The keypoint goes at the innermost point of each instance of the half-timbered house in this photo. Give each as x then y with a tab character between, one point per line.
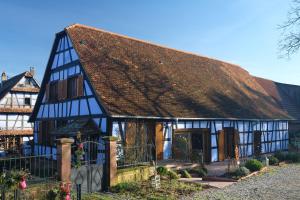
18	95
100	83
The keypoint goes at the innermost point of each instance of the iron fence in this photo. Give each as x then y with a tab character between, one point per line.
128	156
41	169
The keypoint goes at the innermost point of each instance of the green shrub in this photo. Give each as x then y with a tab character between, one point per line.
172	174
201	172
241	171
281	156
125	187
273	160
163	171
253	165
293	157
185	174
205	169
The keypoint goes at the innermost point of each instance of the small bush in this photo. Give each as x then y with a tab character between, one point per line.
125	187
163	171
185	174
241	171
172	174
293	157
205	169
201	172
253	165
273	160
280	156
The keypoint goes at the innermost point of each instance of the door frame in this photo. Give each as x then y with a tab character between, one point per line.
206	147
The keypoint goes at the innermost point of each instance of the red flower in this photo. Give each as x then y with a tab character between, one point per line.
80	146
22	184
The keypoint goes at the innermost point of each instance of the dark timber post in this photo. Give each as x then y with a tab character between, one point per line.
111	160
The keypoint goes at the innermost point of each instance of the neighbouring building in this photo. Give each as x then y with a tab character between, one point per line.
104	84
288	97
18	95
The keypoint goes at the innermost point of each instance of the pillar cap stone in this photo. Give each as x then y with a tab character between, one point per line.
109	138
65	140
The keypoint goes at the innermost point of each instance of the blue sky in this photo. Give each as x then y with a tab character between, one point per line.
243	32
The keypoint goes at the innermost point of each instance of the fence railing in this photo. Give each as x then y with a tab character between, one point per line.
39	167
128	156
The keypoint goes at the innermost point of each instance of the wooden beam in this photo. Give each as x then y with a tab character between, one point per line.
15	110
16	132
25	89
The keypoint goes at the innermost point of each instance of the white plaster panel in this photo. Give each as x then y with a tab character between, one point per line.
189	125
84	110
95	109
218	125
74	110
196	124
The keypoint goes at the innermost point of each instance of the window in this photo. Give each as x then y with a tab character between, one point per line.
61	123
27	82
53	91
44	134
27	101
72	87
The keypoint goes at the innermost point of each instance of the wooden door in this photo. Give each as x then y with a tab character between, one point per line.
221	145
228	142
236	140
206	145
159	141
257	143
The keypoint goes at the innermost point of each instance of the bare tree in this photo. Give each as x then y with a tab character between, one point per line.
290	39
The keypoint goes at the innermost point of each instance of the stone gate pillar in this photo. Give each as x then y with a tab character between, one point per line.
64	158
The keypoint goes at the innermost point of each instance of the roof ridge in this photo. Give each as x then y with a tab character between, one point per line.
267	79
151	43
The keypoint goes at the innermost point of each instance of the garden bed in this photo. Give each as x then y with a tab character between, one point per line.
169	189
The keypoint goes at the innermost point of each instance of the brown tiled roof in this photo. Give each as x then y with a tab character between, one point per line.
137	78
286	95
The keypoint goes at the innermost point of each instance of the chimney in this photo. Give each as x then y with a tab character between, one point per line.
3	77
32	71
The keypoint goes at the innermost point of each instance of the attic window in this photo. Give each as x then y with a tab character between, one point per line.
27	102
83	42
27	81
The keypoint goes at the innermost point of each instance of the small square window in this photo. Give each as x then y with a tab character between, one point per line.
27	102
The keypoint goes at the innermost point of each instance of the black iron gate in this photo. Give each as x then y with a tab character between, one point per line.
88	175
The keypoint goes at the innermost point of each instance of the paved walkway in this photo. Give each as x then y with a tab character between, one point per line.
215	184
279	183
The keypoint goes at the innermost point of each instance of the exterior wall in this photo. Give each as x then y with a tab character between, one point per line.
64	66
274	134
17	100
11	121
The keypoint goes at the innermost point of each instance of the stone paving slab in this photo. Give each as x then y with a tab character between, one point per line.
215	184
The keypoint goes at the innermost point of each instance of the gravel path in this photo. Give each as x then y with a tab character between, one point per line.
279	183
